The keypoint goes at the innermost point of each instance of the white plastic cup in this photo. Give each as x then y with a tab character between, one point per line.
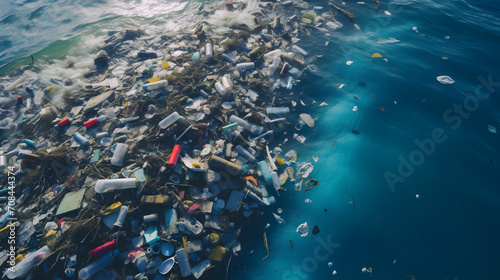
121	216
168	121
119	154
106	185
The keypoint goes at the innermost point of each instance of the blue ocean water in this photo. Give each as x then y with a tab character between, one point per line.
450	230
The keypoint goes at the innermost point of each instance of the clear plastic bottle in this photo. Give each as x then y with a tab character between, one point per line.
24	266
90	270
157	85
119	154
278	110
209	52
103	186
80	139
168	121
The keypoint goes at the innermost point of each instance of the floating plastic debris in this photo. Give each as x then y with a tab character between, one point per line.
387	13
308	200
355	108
315	158
376	55
415	29
303	229
279	219
341	86
417	195
492	129
446	80
349	62
330	264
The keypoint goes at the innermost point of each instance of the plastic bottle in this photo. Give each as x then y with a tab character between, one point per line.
274	65
183	262
276	181
62	123
203	93
245	154
80	139
264	37
94	121
220	88
119	154
106	185
255	129
4	218
272	54
168	121
121	216
92	269
246	65
218	163
278	110
108	246
289	84
298	49
226	84
24	266
156	85
172	161
209	50
3	163
264	168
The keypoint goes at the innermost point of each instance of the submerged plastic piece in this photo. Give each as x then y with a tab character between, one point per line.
307	119
200	268
446	80
103	186
92	269
183	262
23	267
376	55
279	219
492	129
303	229
217	253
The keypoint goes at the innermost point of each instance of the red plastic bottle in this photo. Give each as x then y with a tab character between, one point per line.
172	161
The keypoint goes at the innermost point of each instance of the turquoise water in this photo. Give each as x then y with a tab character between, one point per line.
450	231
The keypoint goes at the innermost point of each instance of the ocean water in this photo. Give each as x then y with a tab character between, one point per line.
417	137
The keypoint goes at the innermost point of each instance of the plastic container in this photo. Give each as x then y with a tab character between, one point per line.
220	88
246	65
24	266
226	83
172	161
106	185
245	154
183	262
121	216
209	52
119	154
276	181
298	49
168	121
92	269
80	139
203	93
278	110
266	173
108	246
156	85
255	129
272	54
274	65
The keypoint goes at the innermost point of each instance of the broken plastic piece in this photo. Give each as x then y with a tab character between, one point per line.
303	229
103	186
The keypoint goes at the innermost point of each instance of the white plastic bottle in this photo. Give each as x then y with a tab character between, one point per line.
278	110
298	49
246	65
121	216
90	270
226	83
255	129
106	185
119	154
220	88
156	85
209	52
168	121
24	266
274	66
